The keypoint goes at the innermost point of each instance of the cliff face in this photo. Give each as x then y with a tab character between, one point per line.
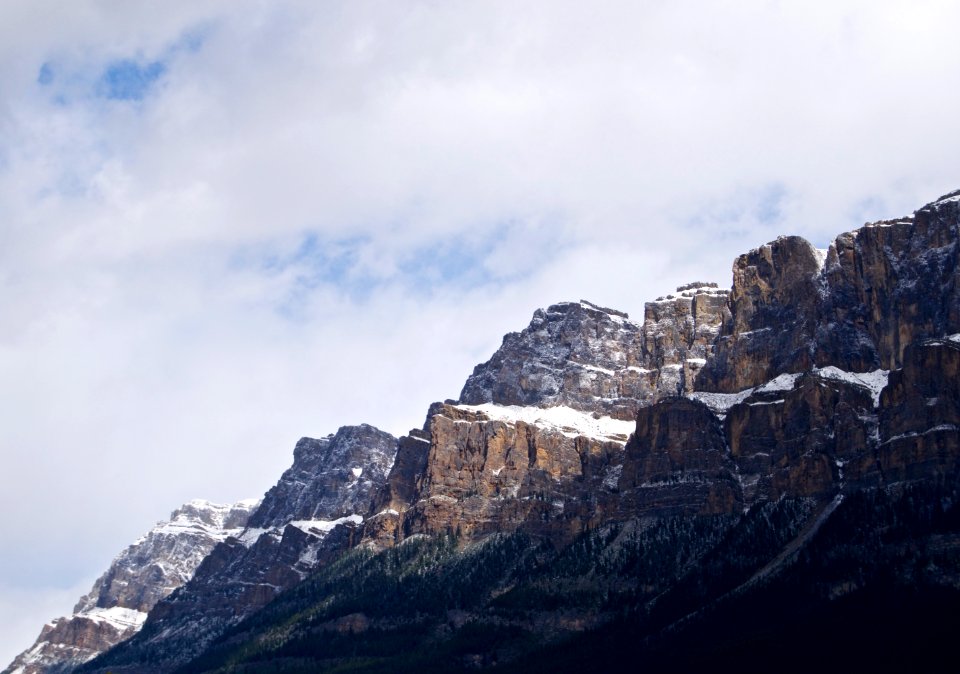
330	478
592	359
920	416
856	307
313	512
770	393
773	307
490	469
595	467
890	284
142	575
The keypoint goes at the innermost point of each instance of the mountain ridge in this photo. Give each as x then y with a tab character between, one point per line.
762	418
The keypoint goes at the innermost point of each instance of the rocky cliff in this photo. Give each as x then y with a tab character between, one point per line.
794	439
313	512
143	574
856	306
582	356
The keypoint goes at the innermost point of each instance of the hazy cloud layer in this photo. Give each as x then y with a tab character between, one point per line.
225	225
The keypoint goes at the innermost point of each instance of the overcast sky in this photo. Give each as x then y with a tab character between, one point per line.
228	224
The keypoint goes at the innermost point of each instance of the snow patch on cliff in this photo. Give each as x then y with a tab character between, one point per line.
324	526
117	616
720	403
566	420
875	380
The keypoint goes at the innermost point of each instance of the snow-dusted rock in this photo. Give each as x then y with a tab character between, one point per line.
311	513
331	477
585	357
143	574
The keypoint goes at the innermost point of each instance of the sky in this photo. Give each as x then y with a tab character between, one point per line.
228	224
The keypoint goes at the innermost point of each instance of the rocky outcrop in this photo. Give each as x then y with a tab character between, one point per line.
487	469
677	463
330	478
919	417
574	353
679	331
141	576
773	308
796	441
583	356
856	306
890	284
310	515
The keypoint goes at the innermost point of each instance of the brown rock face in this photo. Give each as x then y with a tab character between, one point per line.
84	637
919	417
677	463
484	476
891	283
679	331
773	309
796	442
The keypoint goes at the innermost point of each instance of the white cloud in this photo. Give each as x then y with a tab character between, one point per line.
166	333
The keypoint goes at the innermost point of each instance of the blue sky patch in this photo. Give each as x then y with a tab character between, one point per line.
450	263
128	80
46	74
316	262
320	262
727	215
193	39
869	209
769	204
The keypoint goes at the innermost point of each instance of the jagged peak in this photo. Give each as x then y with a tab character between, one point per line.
202	516
330	477
358	429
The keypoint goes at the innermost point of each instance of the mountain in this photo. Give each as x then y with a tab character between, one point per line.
314	511
140	576
760	478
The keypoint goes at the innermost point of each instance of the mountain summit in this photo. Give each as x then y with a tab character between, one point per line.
140	576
